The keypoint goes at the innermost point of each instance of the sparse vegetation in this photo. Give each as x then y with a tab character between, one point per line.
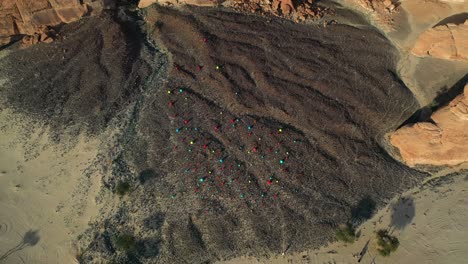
282	187
387	243
433	105
346	233
125	242
123	188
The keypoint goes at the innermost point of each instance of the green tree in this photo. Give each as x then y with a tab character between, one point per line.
387	243
125	242
346	233
123	187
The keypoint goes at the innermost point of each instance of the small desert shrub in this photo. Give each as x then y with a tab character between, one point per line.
122	188
433	105
125	242
387	243
346	233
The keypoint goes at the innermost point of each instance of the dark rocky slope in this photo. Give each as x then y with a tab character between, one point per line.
255	137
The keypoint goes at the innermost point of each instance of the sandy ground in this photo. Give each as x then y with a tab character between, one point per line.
44	201
425	77
430	222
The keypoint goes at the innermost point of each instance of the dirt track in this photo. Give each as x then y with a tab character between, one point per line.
262	138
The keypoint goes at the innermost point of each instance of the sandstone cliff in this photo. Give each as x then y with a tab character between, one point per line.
443	142
448	42
33	19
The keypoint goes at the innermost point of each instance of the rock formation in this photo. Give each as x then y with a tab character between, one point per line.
382	11
382	6
285	8
33	19
441	142
146	3
448	42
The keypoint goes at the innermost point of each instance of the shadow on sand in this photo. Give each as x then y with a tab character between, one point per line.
363	211
30	239
402	213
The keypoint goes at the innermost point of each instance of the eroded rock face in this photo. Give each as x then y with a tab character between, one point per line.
382	11
444	142
382	6
283	8
20	18
146	3
286	6
448	42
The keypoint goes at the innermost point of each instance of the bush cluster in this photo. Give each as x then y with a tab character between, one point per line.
346	234
387	243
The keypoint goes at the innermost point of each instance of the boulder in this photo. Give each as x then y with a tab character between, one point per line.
286	6
32	18
441	142
449	42
146	3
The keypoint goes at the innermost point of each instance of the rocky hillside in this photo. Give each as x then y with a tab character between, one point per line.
228	140
232	134
246	141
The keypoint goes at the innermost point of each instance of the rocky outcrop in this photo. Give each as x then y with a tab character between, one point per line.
448	42
146	3
441	142
381	6
284	8
382	12
32	20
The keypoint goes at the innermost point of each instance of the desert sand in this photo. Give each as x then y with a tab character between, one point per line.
427	76
46	200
